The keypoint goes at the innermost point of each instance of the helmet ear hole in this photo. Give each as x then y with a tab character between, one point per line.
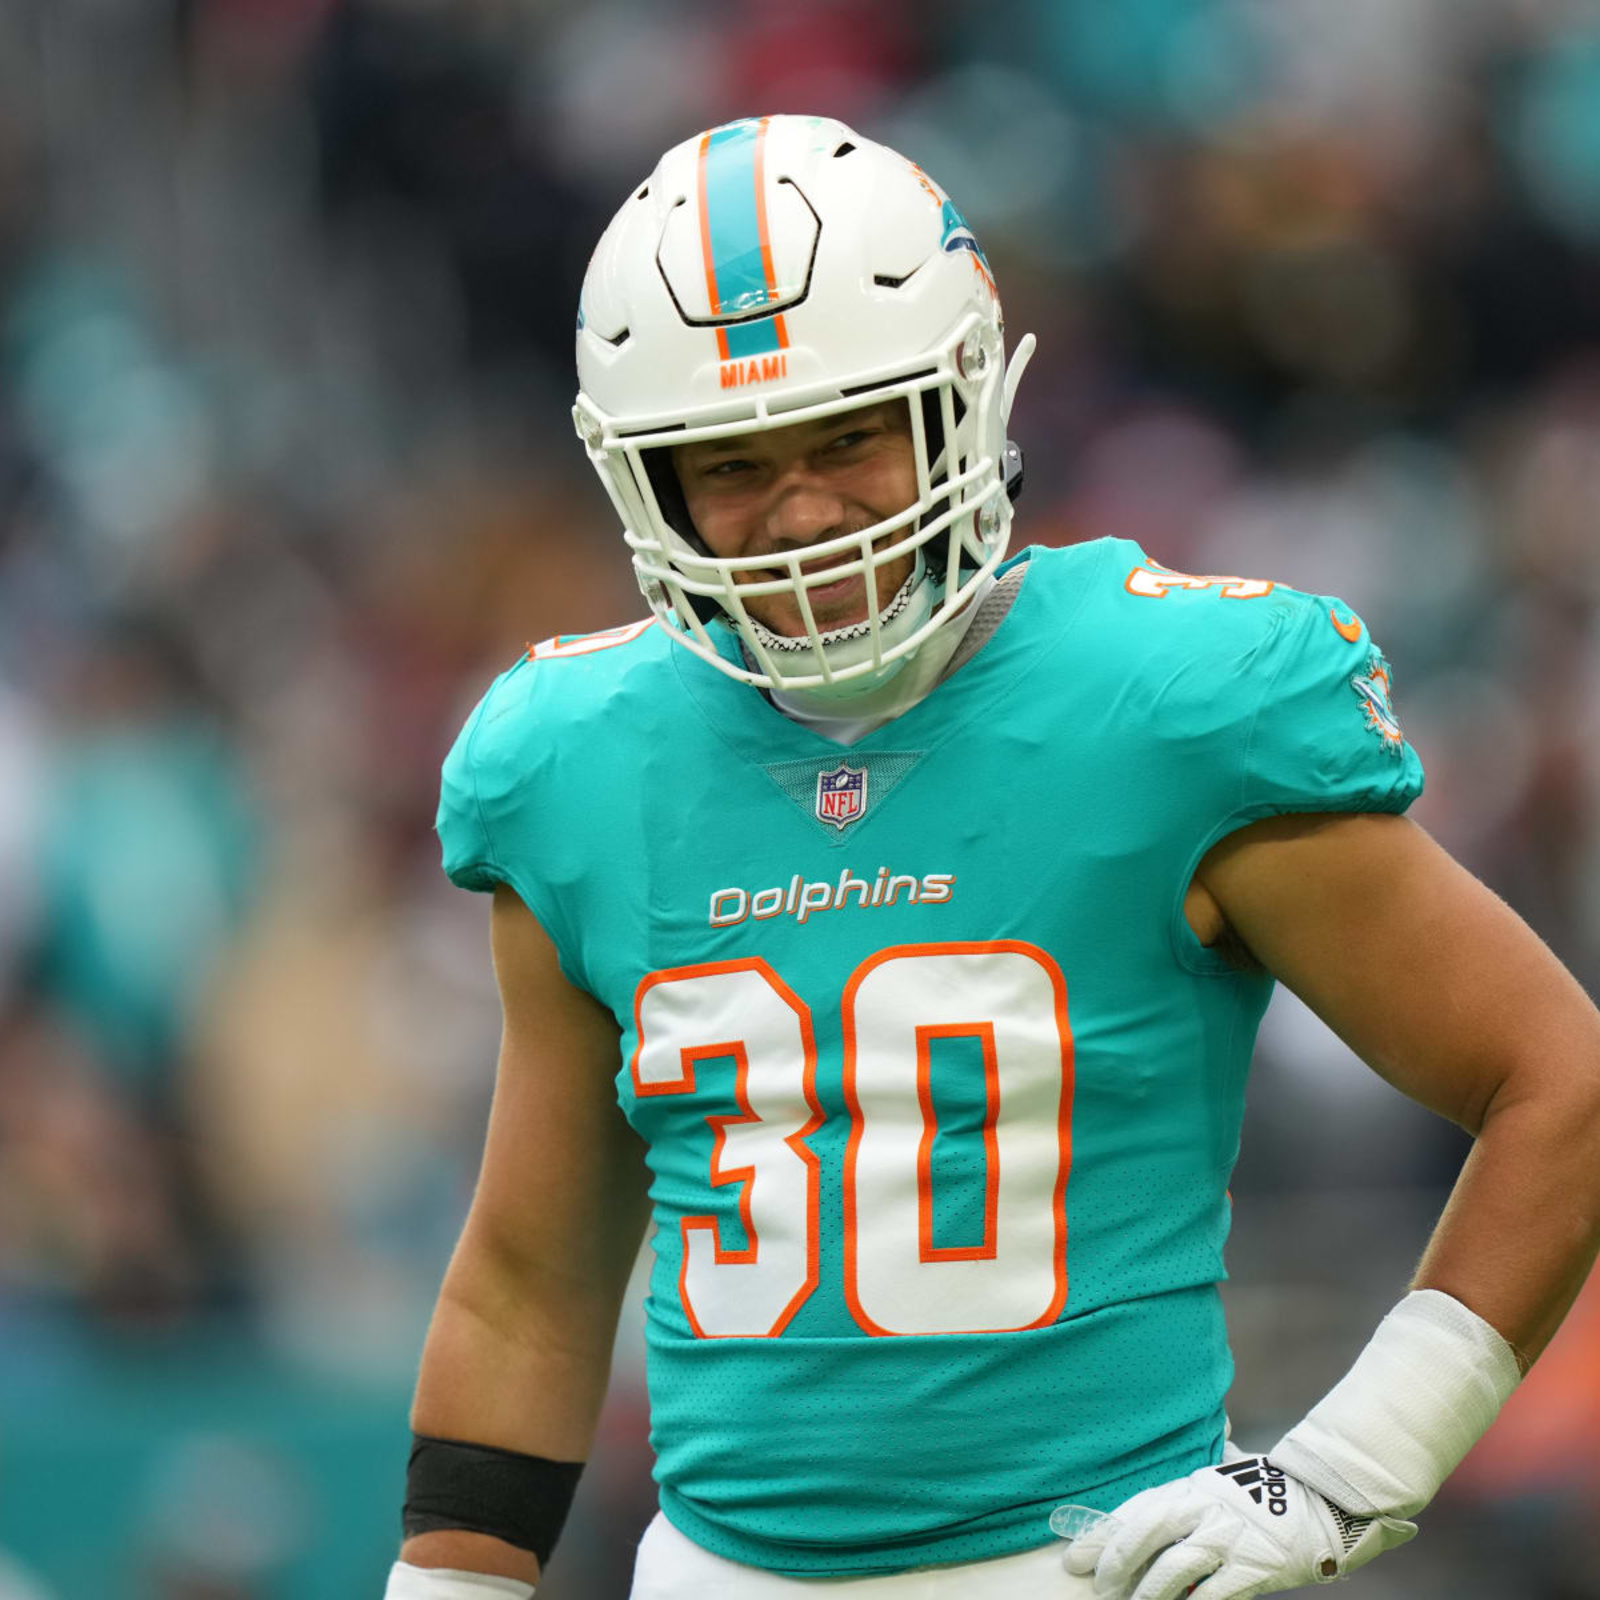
938	465
933	432
668	491
669	495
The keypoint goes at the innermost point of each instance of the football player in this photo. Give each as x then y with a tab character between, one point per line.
890	922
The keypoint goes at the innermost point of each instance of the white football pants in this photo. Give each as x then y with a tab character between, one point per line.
671	1567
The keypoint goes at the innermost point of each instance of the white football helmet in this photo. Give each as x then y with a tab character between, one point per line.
770	272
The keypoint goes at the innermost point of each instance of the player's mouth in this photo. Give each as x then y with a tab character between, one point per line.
840	603
840	588
829	593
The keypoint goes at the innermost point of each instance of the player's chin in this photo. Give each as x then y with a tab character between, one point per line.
849	606
833	605
791	625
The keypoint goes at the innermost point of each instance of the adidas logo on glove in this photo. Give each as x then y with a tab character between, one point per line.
1261	1480
1241	1528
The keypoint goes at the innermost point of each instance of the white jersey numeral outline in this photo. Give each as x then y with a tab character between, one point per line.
1008	995
745	1010
1013	998
1156	582
586	644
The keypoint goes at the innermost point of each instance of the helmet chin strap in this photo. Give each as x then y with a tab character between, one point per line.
911	606
888	694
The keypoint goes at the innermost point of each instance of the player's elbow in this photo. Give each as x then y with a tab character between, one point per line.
1578	1107
523	1282
1544	1063
1554	1100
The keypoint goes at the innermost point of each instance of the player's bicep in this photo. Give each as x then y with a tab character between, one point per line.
1427	974
562	1192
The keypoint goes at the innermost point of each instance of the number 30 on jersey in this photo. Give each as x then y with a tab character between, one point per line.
1008	996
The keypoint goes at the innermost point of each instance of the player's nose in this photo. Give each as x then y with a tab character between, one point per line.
803	511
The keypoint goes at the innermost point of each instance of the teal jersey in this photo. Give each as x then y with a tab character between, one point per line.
940	1091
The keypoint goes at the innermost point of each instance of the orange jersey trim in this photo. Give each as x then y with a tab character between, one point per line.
927	1249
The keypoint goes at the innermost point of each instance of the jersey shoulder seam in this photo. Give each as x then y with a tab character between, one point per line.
1284	628
493	860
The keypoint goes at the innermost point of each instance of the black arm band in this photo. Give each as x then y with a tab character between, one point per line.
483	1489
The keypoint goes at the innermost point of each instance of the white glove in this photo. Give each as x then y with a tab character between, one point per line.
1236	1530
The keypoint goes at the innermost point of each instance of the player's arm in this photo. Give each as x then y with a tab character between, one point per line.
519	1349
1439	986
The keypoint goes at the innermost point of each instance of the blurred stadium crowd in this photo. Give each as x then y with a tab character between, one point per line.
286	474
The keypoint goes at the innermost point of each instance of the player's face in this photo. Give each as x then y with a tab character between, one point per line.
782	490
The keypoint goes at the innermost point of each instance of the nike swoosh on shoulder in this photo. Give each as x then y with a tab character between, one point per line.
1350	630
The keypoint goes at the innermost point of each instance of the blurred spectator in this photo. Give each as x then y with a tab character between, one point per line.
90	1212
146	853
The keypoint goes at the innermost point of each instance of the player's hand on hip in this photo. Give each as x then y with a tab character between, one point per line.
1228	1532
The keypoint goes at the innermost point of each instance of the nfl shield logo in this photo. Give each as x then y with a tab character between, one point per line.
841	795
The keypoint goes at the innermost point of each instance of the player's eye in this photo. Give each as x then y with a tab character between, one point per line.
854	436
728	467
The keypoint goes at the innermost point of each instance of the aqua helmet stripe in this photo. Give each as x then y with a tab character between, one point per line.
734	238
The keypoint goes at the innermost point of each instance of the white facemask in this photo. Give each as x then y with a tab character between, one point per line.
911	606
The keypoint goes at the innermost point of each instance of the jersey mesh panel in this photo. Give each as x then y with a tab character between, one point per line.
994	610
798	780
